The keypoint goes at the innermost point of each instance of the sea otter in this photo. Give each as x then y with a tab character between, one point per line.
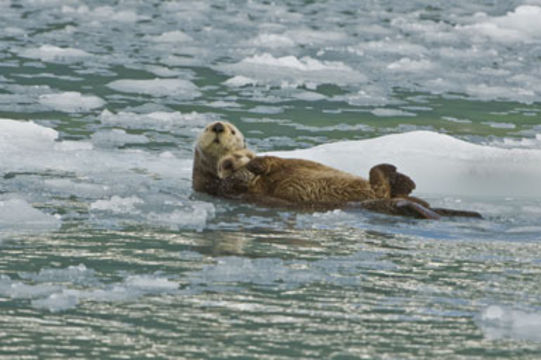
224	167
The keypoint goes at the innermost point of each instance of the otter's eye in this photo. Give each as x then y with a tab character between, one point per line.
233	132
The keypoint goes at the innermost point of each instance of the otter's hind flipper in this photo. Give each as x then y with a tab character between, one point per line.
401	207
389	183
460	213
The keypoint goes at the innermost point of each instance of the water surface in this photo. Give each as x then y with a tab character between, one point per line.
105	251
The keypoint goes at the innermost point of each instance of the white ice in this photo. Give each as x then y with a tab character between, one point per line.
178	88
51	53
500	322
290	71
103	14
19	217
91	174
176	36
157	120
71	101
519	25
438	163
52	288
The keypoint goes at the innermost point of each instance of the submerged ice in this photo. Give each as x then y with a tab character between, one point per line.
53	289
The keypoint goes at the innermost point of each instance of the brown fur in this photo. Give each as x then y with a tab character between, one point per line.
233	161
306	183
222	167
210	148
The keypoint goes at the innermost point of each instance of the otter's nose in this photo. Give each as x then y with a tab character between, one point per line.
218	128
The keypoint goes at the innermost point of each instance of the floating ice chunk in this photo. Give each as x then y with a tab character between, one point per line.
455	120
19	217
265	109
74	274
306	36
19	290
194	217
309	96
503	323
178	88
369	95
244	270
172	37
50	53
303	64
57	302
520	25
158	120
487	92
438	163
289	70
164	71
13	31
24	135
112	14
49	294
104	13
327	220
500	125
71	101
118	204
150	284
224	104
409	65
391	112
116	137
232	271
240	81
72	146
272	41
132	288
389	46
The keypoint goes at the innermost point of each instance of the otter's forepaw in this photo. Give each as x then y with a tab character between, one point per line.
258	166
231	162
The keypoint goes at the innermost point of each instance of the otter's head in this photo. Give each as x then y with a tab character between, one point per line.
219	138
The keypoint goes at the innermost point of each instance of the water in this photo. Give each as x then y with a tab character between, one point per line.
105	251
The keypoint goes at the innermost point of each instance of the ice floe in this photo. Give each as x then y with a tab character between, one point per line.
437	162
501	322
520	25
103	13
178	88
71	101
19	217
176	36
92	174
51	53
290	71
157	120
52	289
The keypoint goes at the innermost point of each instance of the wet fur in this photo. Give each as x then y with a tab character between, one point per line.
221	168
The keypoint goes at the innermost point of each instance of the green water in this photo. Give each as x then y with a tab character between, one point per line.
106	252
